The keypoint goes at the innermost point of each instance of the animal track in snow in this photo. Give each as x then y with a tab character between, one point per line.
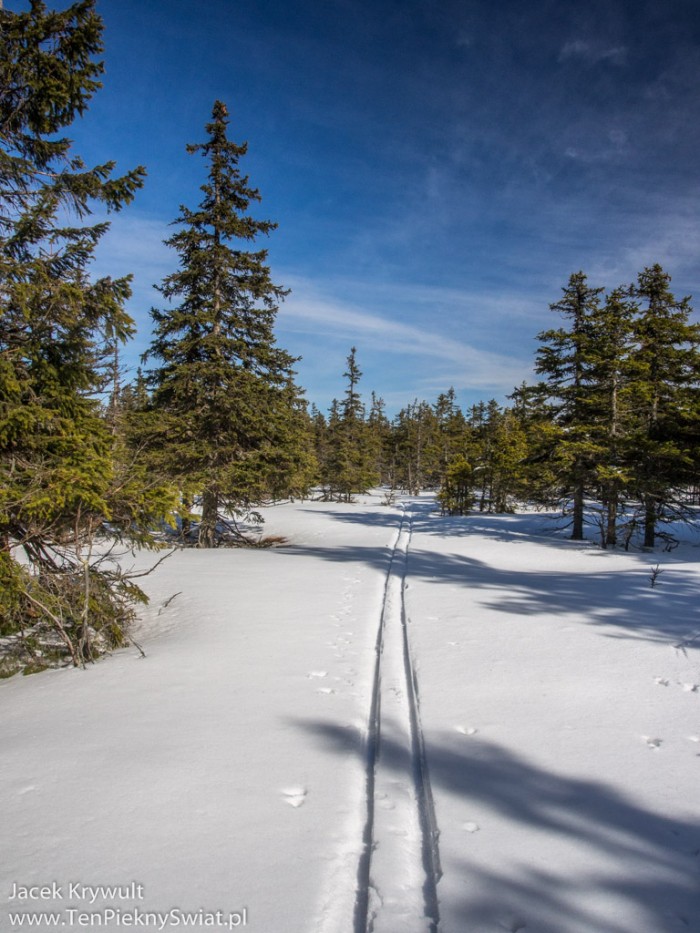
471	827
690	688
662	681
466	730
294	796
652	743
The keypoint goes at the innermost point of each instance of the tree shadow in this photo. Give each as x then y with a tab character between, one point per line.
612	596
656	858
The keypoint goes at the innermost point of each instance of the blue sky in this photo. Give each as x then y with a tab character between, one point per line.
437	168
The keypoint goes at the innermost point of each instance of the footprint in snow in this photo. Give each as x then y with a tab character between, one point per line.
691	688
661	681
466	730
652	743
294	796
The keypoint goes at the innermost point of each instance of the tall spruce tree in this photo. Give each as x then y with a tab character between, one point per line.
57	476
416	447
608	405
230	428
352	463
665	382
563	360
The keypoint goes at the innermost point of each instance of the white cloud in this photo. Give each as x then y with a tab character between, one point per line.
307	310
614	146
593	52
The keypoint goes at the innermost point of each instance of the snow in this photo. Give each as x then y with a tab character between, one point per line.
523	753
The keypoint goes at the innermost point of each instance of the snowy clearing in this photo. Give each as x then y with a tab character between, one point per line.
398	722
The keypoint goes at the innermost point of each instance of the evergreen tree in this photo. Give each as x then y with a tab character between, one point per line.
456	492
666	375
416	447
498	453
57	476
379	440
352	463
563	360
453	433
608	405
231	425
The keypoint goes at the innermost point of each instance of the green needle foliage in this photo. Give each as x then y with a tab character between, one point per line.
231	427
617	410
58	482
352	465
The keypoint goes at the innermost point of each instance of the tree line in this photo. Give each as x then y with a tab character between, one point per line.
215	424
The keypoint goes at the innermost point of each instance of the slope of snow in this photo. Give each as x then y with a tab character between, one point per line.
545	773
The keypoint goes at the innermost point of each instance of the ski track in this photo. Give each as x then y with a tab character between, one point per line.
400	867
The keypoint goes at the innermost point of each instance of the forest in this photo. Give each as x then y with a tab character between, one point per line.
95	461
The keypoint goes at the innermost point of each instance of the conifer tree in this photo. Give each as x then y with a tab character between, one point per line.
416	447
498	451
455	495
666	377
453	433
608	404
352	464
57	473
231	429
563	359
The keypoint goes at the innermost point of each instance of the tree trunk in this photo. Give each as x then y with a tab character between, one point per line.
649	521
210	513
611	530
577	532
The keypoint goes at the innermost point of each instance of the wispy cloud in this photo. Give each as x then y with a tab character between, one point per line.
592	53
308	310
614	146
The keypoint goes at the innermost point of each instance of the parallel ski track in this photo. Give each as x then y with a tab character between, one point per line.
363	921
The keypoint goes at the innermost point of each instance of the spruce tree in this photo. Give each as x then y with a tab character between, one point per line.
230	423
665	381
455	495
352	464
417	448
609	406
563	360
57	474
453	433
498	452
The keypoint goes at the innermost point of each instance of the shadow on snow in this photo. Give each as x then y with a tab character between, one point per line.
657	858
612	596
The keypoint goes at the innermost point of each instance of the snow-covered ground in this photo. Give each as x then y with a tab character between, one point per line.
522	753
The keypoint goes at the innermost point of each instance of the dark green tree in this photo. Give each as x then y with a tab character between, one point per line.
352	462
609	407
665	379
58	479
455	495
416	447
230	414
563	360
453	434
498	452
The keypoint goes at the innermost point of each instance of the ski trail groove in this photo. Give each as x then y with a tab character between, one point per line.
400	866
